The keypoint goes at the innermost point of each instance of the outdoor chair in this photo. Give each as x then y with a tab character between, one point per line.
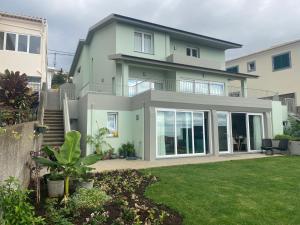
267	145
283	146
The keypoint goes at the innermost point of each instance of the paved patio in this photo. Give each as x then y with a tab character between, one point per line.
140	164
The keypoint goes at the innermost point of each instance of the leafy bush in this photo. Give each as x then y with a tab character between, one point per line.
89	199
293	128
56	214
285	136
127	150
98	140
14	205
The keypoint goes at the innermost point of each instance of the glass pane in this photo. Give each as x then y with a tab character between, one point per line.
186	86
137	41
281	61
198	133
112	122
147	43
35	44
10	41
194	52
22	44
1	40
143	86
223	131
165	133
184	132
255	131
234	69
188	51
216	89
201	88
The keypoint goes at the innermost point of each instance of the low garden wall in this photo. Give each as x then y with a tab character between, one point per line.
16	142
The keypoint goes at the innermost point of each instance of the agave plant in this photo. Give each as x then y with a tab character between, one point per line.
68	159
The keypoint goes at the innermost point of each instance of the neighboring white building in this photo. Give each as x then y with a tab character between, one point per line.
23	46
279	71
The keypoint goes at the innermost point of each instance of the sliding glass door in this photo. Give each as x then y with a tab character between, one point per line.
255	131
224	132
180	133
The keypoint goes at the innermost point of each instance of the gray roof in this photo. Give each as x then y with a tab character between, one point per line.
176	33
174	66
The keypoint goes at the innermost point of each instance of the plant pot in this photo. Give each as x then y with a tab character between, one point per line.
85	184
114	156
55	188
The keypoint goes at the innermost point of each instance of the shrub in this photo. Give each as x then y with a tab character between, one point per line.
14	205
127	150
89	199
282	137
56	214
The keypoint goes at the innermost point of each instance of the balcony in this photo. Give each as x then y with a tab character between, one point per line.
187	60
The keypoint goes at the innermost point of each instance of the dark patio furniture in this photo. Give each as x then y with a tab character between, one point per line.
267	145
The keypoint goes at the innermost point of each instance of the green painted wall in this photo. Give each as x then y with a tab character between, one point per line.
125	42
208	53
130	128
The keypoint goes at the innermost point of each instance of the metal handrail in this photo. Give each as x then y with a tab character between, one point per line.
67	125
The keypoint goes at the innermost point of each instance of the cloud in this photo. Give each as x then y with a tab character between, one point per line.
256	24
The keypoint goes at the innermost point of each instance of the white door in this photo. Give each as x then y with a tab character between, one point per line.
255	131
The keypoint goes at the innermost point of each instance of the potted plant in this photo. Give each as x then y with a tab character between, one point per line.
122	152
68	159
55	185
127	151
98	140
85	177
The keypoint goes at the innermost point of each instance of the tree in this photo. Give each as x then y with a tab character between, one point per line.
59	79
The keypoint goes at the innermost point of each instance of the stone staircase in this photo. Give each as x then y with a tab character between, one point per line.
55	133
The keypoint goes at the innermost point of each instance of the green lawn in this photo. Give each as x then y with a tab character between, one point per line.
257	192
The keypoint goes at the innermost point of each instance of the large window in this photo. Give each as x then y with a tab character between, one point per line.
180	132
143	42
20	42
10	41
35	44
281	61
112	123
1	40
23	43
233	69
202	87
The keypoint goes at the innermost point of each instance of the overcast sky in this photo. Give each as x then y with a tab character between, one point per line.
256	24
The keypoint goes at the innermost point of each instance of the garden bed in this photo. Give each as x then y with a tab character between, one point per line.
124	203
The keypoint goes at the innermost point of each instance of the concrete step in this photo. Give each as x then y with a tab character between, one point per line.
54	135
53	139
54	144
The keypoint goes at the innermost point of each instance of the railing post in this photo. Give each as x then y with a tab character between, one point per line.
244	88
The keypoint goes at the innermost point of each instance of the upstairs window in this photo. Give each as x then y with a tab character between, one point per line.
233	69
1	40
22	43
282	61
35	44
143	42
251	66
112	124
193	52
11	41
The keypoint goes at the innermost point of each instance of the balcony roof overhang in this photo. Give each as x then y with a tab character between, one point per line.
175	66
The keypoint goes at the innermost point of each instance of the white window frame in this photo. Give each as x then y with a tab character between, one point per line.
143	42
229	132
111	132
28	42
176	155
16	41
191	51
248	66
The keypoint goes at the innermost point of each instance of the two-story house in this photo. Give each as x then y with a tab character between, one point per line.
165	90
23	46
278	67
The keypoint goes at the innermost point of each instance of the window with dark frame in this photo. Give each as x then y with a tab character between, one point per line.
281	61
1	40
10	41
233	69
251	66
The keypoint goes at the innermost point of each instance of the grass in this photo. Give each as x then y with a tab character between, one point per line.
247	192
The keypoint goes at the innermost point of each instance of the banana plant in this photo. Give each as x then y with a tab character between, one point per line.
68	159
